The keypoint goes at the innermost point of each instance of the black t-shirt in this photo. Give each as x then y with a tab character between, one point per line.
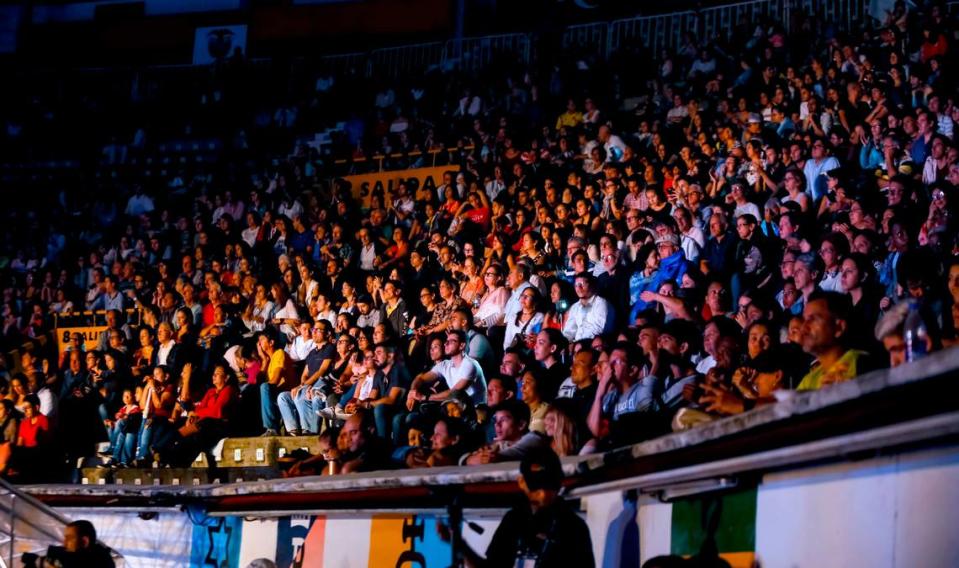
555	536
555	376
316	357
398	376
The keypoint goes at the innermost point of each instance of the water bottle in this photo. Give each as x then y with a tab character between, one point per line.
915	333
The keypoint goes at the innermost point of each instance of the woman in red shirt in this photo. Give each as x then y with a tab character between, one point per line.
476	210
207	423
28	460
34	427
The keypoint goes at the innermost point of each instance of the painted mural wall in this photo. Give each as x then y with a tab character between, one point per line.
895	512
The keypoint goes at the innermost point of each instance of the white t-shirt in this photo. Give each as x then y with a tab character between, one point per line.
567	389
468	370
164	352
750	208
366	387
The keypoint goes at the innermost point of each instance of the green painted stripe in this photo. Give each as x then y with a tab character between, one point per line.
735	526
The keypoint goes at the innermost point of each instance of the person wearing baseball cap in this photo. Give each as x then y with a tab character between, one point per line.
544	531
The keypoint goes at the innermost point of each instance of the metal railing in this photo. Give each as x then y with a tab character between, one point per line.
842	12
472	54
654	33
592	38
468	54
666	31
396	61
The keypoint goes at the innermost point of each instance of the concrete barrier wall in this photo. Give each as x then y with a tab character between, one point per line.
898	511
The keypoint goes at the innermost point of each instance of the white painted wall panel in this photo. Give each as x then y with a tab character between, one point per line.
896	512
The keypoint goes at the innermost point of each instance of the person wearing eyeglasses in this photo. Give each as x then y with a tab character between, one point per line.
590	316
457	373
489	312
298	406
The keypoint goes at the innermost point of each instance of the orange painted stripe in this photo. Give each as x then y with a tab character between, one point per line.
315	544
739	559
736	559
386	541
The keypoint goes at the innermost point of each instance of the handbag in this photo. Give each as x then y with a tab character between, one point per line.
519	340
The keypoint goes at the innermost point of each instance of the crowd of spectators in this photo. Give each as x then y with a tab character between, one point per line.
617	250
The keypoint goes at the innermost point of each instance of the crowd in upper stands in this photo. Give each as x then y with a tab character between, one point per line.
620	248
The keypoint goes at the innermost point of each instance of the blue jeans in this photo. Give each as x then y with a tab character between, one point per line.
122	444
152	435
269	411
389	422
299	413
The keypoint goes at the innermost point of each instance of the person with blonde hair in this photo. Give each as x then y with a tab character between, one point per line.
561	428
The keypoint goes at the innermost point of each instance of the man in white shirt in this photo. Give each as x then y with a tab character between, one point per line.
167	349
458	371
612	144
589	316
301	346
517	280
367	251
691	237
815	167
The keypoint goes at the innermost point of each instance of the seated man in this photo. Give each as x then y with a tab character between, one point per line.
279	378
298	407
543	531
825	321
498	389
624	397
513	439
458	372
391	381
365	451
590	316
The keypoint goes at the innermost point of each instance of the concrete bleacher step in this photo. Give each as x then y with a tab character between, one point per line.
234	459
263	451
175	476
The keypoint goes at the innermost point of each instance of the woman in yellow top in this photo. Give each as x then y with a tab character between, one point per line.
534	394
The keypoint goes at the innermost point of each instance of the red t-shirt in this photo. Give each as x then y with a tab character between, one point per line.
216	404
31	434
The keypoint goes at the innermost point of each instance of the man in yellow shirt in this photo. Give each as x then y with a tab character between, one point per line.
572	118
279	378
825	322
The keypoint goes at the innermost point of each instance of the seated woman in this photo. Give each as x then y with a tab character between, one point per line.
9	429
446	445
535	393
123	430
324	462
561	427
207	422
521	330
30	459
157	401
359	391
